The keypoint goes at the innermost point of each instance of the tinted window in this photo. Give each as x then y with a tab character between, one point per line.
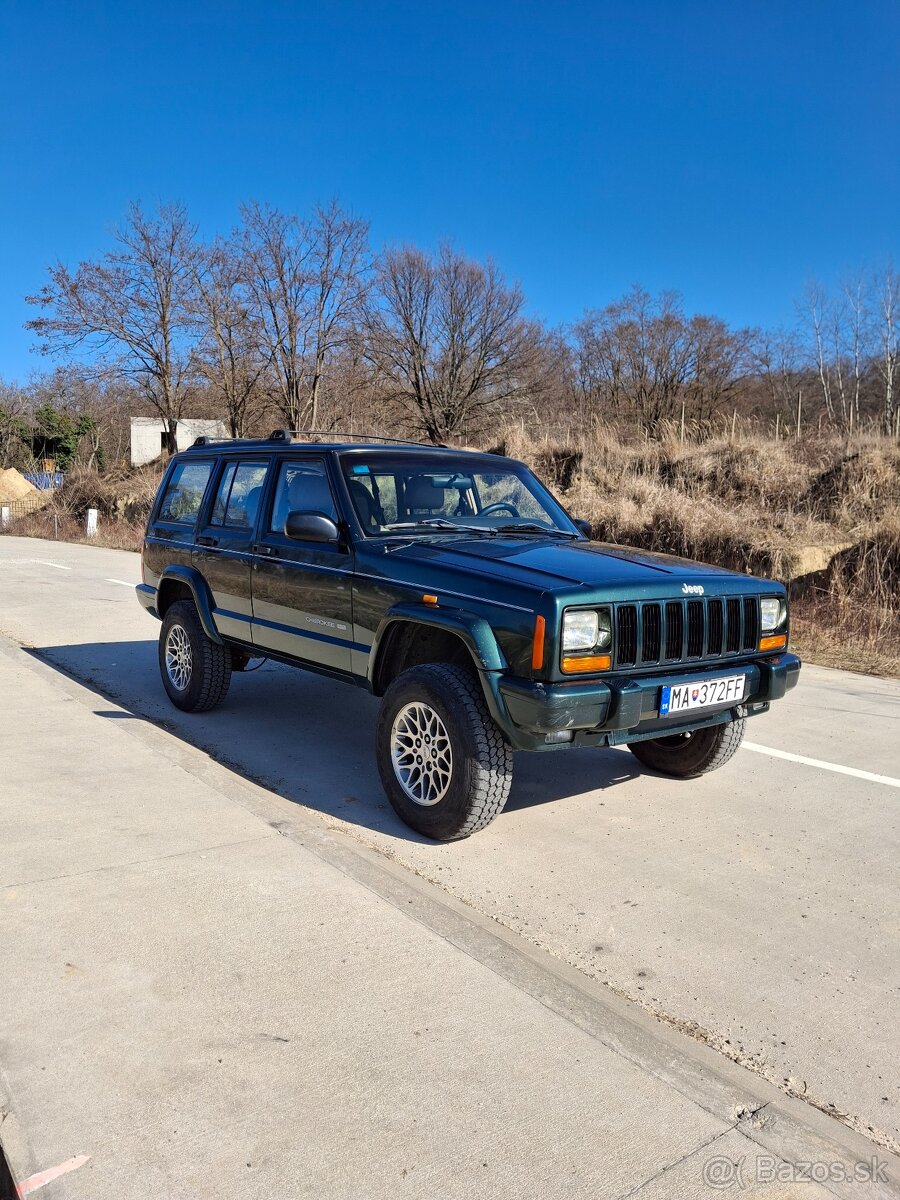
238	495
184	492
301	487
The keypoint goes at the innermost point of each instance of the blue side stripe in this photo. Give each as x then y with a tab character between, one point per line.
304	633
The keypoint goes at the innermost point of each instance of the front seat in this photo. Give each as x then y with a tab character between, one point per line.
366	506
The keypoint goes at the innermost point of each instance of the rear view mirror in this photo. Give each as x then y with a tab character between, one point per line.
311	527
583	526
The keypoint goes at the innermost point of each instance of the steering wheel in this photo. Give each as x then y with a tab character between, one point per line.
497	506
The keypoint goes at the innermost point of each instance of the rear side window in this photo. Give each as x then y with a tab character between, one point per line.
238	495
184	492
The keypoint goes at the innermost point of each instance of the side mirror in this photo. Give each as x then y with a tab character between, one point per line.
311	527
583	526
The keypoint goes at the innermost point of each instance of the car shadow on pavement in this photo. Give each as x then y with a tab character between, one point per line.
306	737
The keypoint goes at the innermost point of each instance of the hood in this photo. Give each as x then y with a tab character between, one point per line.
552	562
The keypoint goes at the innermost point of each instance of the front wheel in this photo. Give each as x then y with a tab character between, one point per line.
687	755
443	762
195	670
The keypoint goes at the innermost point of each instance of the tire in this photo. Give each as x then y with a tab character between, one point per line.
195	671
441	708
687	755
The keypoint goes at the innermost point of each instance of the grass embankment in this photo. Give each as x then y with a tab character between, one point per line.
821	514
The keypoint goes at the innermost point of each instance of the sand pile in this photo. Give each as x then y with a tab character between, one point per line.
15	490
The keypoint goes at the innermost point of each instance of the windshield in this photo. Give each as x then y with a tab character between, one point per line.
405	494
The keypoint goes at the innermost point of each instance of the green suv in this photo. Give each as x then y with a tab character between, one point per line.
454	586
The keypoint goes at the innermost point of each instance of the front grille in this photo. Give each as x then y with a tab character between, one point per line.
652	628
673	631
627	634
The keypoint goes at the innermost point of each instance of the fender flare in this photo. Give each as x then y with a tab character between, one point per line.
201	593
474	631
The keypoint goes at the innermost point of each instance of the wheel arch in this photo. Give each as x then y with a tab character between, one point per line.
186	583
412	634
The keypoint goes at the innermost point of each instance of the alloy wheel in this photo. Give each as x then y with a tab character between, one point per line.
179	658
421	754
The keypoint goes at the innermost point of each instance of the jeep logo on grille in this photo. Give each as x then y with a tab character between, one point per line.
692	589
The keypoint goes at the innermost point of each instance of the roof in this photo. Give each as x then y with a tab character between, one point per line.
282	440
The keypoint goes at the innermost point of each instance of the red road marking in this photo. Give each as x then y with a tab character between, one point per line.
33	1182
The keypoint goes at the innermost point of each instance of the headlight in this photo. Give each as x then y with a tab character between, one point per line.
586	629
579	631
773	613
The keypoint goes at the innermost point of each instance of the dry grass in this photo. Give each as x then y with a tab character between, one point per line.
52	524
822	515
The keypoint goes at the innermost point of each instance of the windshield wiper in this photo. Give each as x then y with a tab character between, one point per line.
439	523
535	527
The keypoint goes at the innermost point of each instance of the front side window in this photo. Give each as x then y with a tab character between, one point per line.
238	495
405	494
184	492
302	487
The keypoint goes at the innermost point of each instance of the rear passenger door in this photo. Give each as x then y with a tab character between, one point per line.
222	550
302	592
170	533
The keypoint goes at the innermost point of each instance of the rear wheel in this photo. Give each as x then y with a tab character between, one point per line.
195	670
687	755
443	762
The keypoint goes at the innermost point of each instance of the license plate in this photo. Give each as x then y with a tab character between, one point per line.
684	697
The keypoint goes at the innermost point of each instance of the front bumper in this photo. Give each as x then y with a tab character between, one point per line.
622	708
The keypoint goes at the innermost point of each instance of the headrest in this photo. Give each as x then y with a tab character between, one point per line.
309	492
421	493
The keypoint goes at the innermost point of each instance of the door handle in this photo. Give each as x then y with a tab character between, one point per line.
268	550
205	540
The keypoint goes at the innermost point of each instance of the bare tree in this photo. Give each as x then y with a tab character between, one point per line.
13	425
888	353
448	338
720	359
817	309
853	344
638	355
776	359
341	263
131	310
305	281
229	358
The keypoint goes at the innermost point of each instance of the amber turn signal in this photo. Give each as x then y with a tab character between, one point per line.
594	662
777	641
537	644
430	599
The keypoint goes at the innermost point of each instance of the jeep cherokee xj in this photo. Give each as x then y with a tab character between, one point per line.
454	586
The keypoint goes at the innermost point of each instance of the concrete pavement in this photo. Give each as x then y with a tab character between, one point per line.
549	870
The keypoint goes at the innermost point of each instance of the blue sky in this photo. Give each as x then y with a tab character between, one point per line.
731	151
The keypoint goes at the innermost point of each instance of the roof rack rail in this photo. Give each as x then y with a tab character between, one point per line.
340	435
205	440
333	435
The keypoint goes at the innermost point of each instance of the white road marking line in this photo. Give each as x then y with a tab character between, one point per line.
123	583
826	766
31	562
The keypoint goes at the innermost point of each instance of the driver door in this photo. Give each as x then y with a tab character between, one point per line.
302	593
